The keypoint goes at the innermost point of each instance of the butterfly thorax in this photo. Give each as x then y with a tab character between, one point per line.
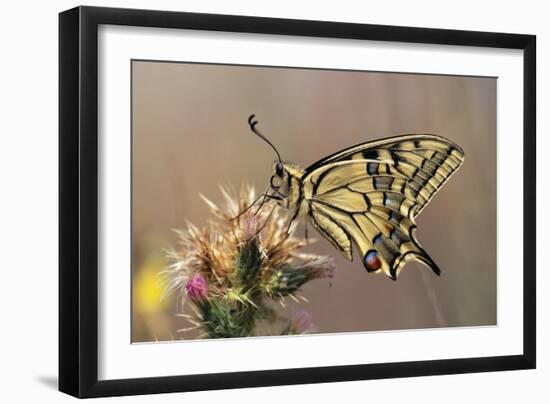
291	186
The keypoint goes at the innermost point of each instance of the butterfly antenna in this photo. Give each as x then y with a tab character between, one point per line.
252	123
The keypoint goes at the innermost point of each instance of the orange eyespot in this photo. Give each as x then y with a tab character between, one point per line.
371	261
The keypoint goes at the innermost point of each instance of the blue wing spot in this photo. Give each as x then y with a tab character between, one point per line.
372	168
394	237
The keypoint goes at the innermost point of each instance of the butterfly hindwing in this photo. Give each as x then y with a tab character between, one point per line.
369	195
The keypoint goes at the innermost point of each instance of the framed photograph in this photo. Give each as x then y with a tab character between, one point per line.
251	201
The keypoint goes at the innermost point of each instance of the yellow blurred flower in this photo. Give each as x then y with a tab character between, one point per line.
148	287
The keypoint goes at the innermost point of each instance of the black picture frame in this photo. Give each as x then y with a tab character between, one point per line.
78	201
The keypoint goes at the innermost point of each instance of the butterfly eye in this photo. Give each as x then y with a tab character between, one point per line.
279	170
276	181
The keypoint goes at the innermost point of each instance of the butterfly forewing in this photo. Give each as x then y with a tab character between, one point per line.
369	195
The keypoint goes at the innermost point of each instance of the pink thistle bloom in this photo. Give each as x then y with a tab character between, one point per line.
196	288
302	322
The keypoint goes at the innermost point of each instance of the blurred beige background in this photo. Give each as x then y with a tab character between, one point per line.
190	134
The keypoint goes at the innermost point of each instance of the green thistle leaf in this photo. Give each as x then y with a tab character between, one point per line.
222	319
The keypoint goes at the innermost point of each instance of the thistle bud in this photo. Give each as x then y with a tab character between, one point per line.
301	323
248	262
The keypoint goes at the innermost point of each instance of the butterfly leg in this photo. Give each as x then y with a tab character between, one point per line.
292	219
288	227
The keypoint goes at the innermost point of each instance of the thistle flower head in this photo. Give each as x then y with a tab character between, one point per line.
240	259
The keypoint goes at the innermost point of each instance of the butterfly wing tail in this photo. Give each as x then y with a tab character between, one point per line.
389	256
419	256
